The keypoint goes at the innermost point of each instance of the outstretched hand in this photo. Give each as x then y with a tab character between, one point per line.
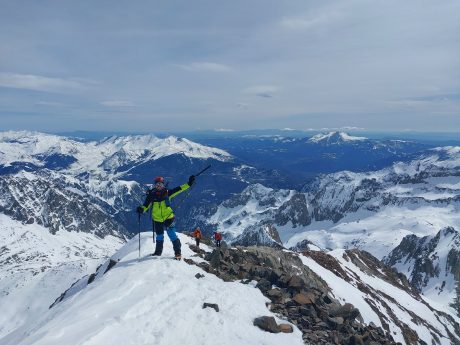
140	209
191	180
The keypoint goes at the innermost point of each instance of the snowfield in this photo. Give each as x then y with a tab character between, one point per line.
154	301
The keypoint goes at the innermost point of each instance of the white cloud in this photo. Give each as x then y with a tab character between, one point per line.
40	83
205	67
342	129
118	103
308	22
224	130
266	91
50	104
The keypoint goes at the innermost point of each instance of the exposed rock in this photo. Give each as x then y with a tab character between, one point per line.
347	311
304	298
267	323
335	322
211	305
286	328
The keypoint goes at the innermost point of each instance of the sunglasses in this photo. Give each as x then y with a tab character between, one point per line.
159	185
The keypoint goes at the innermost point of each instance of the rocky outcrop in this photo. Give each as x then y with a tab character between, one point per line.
296	293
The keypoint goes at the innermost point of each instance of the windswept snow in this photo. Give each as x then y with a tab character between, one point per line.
154	301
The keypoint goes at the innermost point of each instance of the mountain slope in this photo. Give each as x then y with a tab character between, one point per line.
383	297
36	266
432	265
154	301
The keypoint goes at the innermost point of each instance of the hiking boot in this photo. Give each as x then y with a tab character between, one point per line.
176	245
158	248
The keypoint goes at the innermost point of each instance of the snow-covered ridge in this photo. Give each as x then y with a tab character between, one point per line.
107	154
334	138
154	301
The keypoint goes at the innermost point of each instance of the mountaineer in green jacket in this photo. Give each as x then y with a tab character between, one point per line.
162	214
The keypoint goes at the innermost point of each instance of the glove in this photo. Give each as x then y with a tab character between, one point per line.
191	180
140	209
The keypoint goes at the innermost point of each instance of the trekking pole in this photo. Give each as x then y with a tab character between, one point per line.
187	194
202	171
153	227
139	223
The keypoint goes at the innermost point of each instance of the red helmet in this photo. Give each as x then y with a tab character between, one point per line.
159	179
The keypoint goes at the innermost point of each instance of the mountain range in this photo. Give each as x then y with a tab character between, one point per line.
364	205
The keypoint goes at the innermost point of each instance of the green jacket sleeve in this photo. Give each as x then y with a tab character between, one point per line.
176	191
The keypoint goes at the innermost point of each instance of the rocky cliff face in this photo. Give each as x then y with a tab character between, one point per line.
432	265
57	202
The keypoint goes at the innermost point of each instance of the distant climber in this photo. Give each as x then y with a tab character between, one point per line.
217	238
159	199
197	234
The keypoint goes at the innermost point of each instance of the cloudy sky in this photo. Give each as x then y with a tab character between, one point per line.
241	64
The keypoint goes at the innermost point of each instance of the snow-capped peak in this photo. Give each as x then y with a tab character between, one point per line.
334	138
108	154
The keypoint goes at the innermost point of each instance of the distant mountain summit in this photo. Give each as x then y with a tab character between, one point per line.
334	138
40	150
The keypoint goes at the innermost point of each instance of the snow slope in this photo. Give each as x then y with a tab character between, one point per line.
154	301
378	233
432	265
36	266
